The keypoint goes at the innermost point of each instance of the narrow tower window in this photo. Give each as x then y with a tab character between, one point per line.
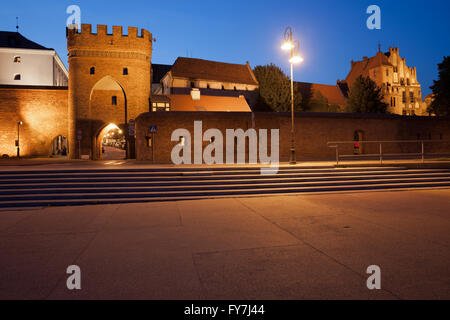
92	70
114	100
17	77
125	71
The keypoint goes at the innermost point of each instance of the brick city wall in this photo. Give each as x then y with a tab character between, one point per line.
43	111
313	131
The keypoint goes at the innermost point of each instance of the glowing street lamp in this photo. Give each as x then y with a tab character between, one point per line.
293	46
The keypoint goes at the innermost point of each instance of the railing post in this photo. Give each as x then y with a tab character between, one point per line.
381	154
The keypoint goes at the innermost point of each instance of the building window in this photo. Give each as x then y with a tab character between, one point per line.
404	97
395	69
408	82
17	77
192	84
207	86
17	59
125	71
411	97
114	100
394	101
235	89
223	87
375	74
387	72
92	71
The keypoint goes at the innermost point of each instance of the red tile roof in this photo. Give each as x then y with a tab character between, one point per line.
333	94
180	102
211	70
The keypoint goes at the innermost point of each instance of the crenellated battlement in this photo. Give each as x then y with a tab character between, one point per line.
102	30
134	41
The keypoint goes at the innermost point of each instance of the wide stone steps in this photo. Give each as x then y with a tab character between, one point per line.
80	187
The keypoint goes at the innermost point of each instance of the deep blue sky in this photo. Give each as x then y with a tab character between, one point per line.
332	33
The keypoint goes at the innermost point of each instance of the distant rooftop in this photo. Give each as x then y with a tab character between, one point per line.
211	70
16	40
333	93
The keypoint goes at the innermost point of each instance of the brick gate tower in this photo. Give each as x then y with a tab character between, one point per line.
109	85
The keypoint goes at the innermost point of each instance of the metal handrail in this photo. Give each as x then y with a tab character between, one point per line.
422	154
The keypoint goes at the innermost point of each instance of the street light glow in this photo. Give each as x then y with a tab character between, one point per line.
288	45
296	60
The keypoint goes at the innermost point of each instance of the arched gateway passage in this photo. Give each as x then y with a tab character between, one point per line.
111	143
108	120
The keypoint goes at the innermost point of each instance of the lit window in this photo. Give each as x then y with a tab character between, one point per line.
17	60
125	71
92	70
17	77
114	100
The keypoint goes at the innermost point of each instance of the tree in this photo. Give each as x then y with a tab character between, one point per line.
441	90
365	97
275	90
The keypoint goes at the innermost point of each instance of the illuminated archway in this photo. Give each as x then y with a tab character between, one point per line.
110	143
107	112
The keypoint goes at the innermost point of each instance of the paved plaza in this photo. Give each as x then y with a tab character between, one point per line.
286	247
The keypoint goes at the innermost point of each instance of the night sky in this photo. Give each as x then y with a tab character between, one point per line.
331	33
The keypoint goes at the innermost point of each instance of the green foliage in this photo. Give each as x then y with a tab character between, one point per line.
365	97
275	90
441	90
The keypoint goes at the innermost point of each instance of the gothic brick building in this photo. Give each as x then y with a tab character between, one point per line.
401	89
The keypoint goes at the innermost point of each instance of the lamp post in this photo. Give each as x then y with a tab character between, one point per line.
292	46
19	123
